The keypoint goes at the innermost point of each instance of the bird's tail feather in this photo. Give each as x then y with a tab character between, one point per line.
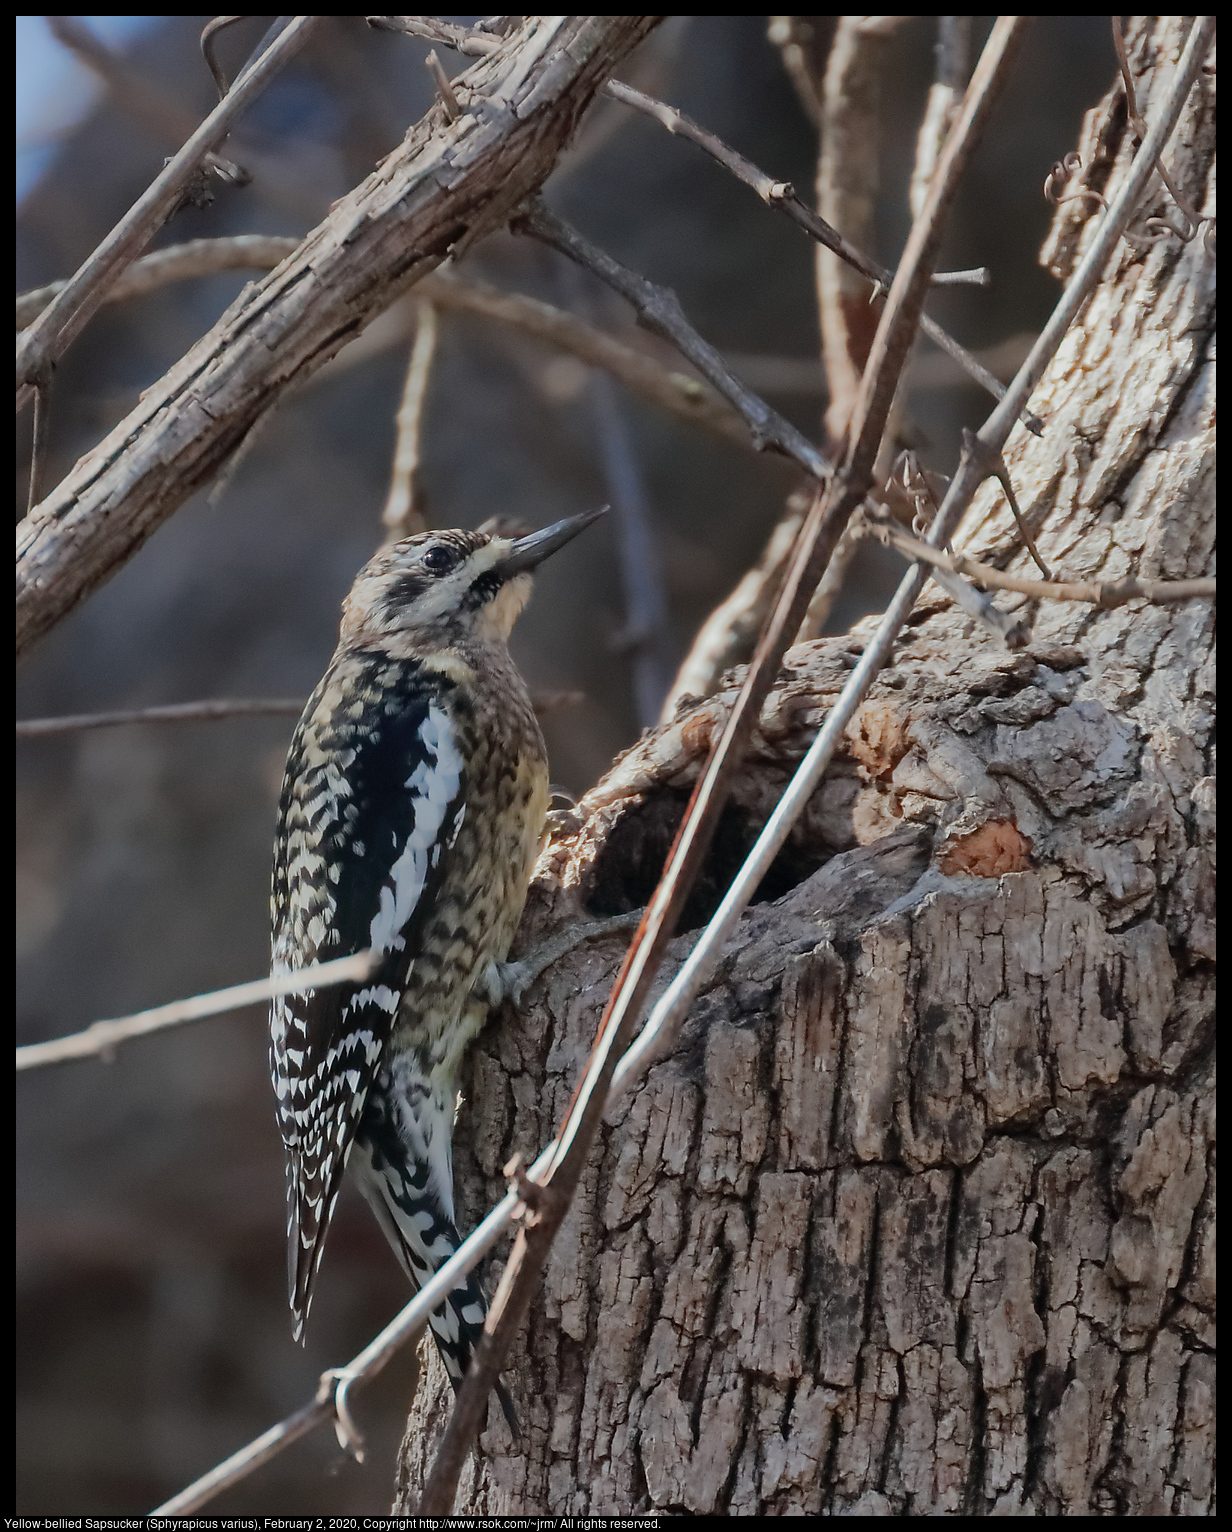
423	1237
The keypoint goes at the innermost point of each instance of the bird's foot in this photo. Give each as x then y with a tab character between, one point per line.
510	980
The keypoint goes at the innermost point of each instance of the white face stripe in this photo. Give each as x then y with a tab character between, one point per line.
434	786
444	595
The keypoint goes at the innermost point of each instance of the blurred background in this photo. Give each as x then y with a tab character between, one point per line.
154	1336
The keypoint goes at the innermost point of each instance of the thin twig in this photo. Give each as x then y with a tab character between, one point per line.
175	263
161	115
1187	210
782	194
444	90
779	194
1024	531
102	1038
39	433
820	533
225	707
659	310
250	1458
663	1026
209	36
1102	593
403	513
44	342
173	712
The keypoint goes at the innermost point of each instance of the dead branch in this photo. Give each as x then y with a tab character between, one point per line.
403	513
174	712
102	1038
164	118
1101	593
782	195
444	187
176	263
659	310
224	707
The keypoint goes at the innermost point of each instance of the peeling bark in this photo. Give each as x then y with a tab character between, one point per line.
919	1216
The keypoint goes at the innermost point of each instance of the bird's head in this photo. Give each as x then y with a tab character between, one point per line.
441	588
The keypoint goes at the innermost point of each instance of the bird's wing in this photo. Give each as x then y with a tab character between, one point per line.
368	820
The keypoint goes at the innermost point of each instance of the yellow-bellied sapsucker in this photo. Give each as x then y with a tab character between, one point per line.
411	813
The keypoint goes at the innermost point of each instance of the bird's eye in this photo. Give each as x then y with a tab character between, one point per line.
439	560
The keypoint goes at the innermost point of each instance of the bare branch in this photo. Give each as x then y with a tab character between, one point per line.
778	194
403	513
818	537
44	342
1102	593
174	712
782	194
102	1038
659	310
176	263
445	186
224	707
163	117
209	34
249	1459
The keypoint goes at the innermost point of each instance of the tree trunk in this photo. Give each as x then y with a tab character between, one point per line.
919	1217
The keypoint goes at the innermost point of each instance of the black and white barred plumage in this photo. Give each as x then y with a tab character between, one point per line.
411	812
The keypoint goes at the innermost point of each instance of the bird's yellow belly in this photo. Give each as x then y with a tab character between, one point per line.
474	915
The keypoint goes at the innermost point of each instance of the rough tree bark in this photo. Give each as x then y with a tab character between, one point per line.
920	1215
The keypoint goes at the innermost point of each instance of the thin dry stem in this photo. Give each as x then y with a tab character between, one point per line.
403	514
164	118
782	195
102	1038
174	712
659	310
1102	593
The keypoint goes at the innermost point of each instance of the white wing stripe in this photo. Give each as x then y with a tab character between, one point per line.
435	786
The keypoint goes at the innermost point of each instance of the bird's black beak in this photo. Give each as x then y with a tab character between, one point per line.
529	552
